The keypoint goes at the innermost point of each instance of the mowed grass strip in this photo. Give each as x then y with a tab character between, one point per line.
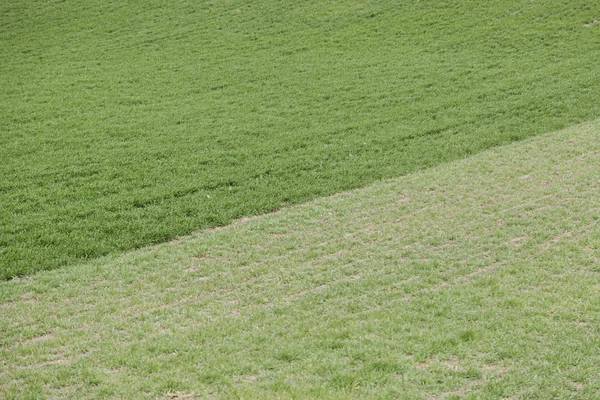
475	279
128	123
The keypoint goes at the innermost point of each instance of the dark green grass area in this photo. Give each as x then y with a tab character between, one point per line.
126	123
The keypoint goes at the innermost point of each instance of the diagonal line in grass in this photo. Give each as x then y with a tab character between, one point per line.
476	278
130	124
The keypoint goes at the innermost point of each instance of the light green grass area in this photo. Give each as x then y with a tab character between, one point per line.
474	279
132	122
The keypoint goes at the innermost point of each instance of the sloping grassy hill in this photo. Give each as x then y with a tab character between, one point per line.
477	279
131	122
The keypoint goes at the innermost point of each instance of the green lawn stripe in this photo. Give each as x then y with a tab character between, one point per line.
124	124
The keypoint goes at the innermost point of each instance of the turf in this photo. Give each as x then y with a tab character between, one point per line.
128	123
476	279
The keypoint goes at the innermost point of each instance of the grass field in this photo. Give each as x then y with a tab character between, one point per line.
474	279
128	123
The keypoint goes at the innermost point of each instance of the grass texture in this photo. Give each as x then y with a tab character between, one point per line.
128	123
477	279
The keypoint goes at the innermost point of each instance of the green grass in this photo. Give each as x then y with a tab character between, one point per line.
128	123
476	279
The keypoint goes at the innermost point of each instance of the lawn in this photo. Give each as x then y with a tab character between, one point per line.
132	122
475	279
